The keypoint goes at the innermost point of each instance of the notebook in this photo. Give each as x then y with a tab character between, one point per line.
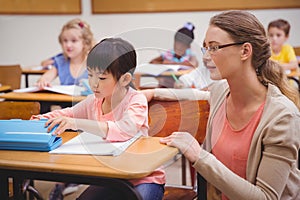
17	134
87	143
72	90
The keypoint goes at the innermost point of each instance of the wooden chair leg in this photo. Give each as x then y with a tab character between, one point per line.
29	187
183	170
192	174
299	159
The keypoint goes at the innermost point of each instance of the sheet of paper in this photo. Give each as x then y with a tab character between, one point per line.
72	90
87	143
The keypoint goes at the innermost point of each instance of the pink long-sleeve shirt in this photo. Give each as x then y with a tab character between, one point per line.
124	121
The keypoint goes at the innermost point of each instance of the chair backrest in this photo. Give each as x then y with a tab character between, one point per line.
166	117
11	75
297	50
18	110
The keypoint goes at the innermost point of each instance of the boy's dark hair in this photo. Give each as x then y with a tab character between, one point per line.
282	25
114	55
185	35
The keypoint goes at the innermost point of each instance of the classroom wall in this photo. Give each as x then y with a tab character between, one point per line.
27	39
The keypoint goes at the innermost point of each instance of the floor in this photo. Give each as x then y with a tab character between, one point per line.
173	176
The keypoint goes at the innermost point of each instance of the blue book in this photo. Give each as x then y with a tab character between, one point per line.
17	134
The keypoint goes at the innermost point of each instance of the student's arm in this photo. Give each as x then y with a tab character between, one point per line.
74	118
293	65
126	124
47	77
47	62
168	94
157	60
91	126
83	116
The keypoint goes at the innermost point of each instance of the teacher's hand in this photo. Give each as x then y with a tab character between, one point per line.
186	143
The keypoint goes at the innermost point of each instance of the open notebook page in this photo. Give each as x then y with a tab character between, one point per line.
87	143
72	90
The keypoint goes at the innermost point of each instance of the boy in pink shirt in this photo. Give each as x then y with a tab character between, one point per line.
115	111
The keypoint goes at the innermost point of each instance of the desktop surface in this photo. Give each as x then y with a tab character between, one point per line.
139	160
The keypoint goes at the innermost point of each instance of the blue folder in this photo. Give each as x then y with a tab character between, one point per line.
17	134
86	85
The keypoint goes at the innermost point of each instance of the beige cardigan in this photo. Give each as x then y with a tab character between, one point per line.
271	171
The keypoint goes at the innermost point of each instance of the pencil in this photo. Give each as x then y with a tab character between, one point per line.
175	78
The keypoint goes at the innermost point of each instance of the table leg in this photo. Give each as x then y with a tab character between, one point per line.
201	187
183	170
17	187
120	186
4	192
46	106
26	81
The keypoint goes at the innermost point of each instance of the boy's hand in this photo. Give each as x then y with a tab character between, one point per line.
62	124
179	85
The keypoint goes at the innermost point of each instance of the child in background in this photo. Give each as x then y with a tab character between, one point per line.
76	40
278	32
115	111
181	53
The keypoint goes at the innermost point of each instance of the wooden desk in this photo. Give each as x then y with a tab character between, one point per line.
4	88
44	98
32	71
139	160
137	76
41	96
294	74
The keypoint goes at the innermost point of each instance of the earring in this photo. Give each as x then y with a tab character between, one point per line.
257	70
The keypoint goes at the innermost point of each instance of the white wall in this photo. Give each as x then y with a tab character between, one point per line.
27	39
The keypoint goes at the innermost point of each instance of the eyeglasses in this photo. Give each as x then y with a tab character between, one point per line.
213	49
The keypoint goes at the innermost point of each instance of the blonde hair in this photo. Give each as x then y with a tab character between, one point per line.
86	34
242	26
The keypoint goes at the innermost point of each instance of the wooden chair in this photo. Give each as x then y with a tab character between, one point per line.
295	78
18	110
21	110
11	75
297	51
166	117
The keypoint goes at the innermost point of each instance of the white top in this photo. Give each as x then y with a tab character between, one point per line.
198	78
